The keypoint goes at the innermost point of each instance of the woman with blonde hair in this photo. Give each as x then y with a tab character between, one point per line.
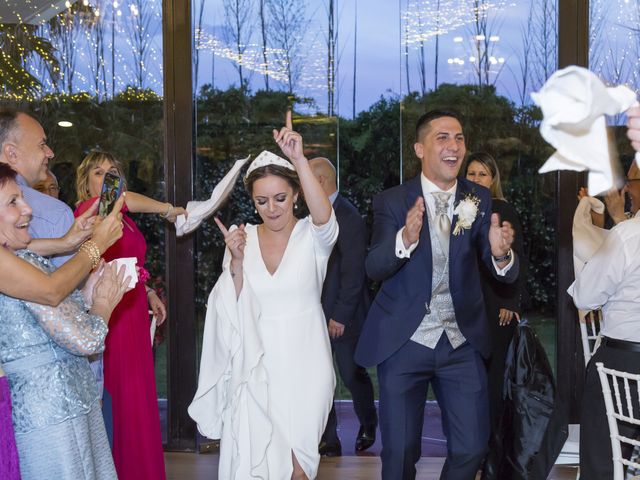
128	360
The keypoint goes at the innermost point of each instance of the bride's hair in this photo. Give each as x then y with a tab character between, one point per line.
287	174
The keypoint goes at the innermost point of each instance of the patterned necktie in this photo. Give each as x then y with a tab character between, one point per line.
443	223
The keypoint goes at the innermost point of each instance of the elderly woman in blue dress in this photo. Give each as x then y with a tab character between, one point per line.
56	416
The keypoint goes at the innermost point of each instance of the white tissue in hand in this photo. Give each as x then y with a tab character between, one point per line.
201	210
129	264
573	103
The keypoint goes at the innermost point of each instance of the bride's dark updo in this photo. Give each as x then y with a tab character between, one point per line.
287	174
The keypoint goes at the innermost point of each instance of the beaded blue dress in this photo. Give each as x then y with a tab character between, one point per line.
56	413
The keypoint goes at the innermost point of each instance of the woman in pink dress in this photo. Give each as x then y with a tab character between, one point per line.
128	359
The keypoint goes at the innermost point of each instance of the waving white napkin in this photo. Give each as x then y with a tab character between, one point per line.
201	210
573	102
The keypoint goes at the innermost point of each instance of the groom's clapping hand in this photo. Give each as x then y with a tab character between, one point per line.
413	225
500	236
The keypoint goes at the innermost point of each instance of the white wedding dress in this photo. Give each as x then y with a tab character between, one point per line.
266	373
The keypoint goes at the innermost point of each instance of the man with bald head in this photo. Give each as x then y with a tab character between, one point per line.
49	186
615	199
345	303
23	146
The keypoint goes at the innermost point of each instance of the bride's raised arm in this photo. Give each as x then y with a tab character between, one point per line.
290	143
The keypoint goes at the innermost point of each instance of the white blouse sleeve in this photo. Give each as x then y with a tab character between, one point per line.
324	236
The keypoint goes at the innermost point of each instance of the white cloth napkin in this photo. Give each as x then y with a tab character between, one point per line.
573	102
201	210
587	238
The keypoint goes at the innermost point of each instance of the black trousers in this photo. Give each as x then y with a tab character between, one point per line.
595	444
358	382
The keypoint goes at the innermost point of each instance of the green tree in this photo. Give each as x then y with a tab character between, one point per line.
20	47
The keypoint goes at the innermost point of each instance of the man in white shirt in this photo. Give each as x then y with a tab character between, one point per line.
610	281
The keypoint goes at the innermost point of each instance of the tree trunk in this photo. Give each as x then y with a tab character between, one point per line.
355	44
263	29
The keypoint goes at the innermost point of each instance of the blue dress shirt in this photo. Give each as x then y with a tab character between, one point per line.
51	218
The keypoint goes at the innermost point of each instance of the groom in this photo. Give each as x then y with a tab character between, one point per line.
427	324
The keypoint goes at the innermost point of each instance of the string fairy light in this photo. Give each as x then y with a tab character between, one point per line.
33	72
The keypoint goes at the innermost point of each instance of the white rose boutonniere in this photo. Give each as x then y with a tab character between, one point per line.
466	210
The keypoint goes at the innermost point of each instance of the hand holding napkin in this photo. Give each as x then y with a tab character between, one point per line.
574	102
201	210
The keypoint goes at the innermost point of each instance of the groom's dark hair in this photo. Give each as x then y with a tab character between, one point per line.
425	119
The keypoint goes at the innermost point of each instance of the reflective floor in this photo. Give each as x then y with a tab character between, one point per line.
183	466
364	466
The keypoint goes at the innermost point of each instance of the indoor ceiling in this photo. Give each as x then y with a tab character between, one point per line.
31	11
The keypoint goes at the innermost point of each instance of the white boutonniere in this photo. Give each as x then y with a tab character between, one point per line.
466	210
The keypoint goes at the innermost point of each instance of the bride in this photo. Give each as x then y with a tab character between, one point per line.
266	375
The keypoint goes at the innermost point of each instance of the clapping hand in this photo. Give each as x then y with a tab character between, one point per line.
501	236
290	142
413	224
108	290
235	239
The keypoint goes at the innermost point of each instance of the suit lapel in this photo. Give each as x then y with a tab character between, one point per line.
456	240
337	204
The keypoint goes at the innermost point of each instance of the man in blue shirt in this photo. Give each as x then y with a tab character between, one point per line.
23	145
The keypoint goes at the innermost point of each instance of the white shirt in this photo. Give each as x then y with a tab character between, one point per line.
428	187
610	280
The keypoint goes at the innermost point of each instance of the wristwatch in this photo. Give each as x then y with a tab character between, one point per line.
504	258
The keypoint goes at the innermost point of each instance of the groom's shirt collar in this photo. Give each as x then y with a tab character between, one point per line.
428	187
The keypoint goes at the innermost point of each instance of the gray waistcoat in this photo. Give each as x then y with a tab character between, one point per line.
440	315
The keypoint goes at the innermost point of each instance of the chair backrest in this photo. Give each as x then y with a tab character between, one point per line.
620	408
590	332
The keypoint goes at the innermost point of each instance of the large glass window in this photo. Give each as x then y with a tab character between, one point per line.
91	72
614	55
358	75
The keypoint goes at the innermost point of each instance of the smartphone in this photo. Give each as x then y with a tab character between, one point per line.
111	189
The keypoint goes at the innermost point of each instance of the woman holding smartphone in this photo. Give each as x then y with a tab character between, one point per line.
128	360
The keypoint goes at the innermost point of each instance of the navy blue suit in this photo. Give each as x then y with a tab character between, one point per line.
406	368
345	300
